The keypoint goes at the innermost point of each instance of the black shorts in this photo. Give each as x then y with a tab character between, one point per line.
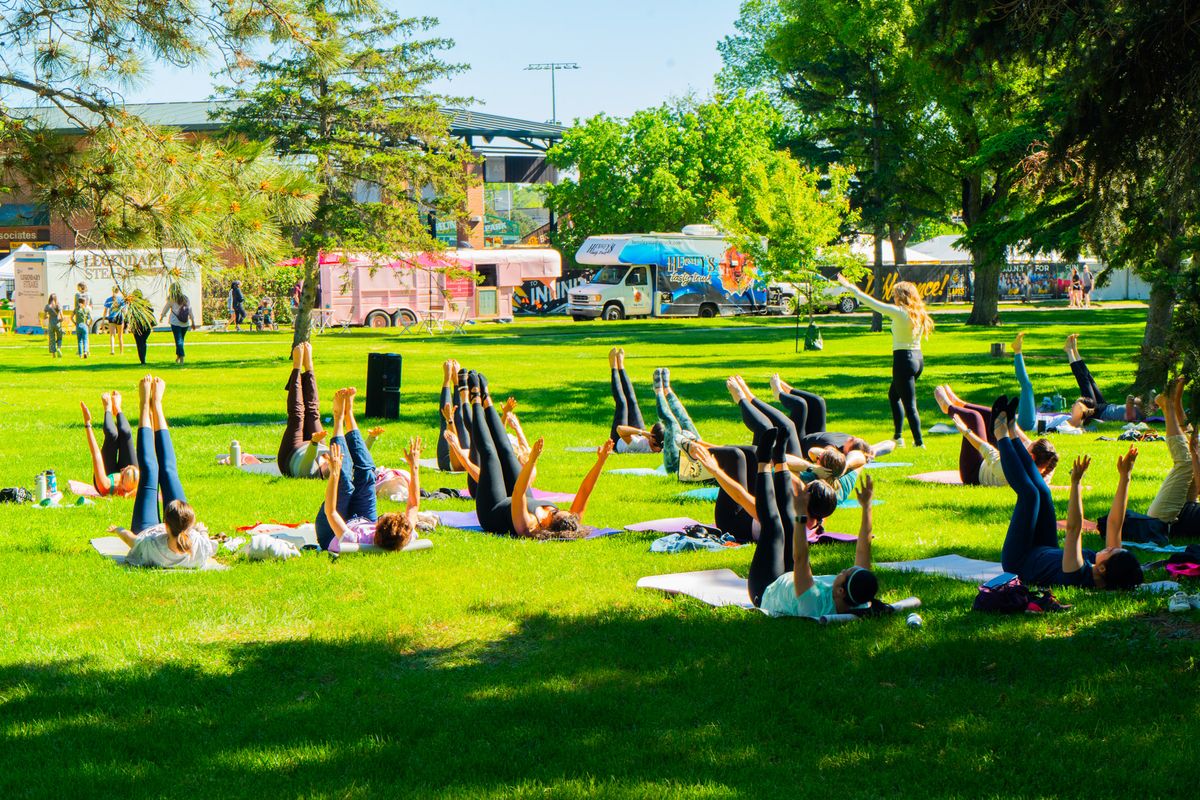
1188	524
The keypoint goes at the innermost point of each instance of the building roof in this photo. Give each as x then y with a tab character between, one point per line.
201	115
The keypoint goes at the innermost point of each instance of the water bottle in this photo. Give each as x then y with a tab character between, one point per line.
914	620
235	453
1060	402
41	487
51	483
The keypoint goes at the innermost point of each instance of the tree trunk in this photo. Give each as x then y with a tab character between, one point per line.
1156	357
308	298
878	278
989	263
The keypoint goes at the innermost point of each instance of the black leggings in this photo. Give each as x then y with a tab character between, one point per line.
773	553
730	517
118	450
140	338
760	417
625	401
497	462
1087	384
907	366
1033	523
806	410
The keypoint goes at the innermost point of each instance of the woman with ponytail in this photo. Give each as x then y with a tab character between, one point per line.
172	538
910	324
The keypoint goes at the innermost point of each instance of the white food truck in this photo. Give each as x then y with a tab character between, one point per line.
40	273
696	273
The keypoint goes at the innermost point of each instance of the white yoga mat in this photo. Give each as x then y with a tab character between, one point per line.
307	535
951	566
114	548
723	587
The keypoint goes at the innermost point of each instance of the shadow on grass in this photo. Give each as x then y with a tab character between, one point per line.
610	705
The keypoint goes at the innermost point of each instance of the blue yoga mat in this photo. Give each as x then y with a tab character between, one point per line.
887	464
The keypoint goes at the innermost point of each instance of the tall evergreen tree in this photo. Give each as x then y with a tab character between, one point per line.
356	108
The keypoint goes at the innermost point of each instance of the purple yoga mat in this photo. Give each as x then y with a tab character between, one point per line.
469	521
538	494
825	537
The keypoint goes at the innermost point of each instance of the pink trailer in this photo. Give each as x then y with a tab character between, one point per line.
407	291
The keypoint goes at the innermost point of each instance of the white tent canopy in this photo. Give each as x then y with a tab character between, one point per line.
7	268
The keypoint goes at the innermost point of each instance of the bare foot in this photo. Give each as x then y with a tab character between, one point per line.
939	394
106	401
144	387
159	390
1072	343
116	402
777	385
1161	400
1017	343
612	358
298	356
735	390
351	392
745	387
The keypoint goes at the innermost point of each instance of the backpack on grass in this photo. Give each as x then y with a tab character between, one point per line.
16	494
1015	597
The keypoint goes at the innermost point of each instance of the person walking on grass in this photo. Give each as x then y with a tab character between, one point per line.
181	318
1086	283
910	324
52	316
114	321
237	305
82	318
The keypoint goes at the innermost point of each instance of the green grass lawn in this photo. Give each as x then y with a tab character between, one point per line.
488	667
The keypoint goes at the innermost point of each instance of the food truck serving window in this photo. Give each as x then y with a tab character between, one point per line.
609	276
488	273
637	277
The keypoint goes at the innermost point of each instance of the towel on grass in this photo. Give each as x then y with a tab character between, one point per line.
683	543
723	587
113	548
469	521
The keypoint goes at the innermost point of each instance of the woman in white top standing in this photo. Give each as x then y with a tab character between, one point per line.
182	318
910	324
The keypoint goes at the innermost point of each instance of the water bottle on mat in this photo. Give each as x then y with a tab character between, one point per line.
235	453
51	483
41	487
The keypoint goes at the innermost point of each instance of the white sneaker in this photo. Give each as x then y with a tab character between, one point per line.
1179	602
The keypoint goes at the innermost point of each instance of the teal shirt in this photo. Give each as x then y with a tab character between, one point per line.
844	486
780	599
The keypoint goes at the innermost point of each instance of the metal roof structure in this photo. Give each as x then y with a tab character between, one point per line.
202	116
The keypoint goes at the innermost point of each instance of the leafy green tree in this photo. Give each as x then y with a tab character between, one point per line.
357	110
118	182
661	169
847	79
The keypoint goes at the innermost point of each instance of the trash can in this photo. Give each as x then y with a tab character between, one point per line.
383	385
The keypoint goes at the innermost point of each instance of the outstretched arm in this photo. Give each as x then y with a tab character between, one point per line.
862	548
802	577
1072	560
101	480
464	458
579	505
1120	503
969	434
127	536
413	454
511	419
331	491
740	494
520	502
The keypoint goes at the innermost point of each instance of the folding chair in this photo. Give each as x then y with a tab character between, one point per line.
409	323
458	322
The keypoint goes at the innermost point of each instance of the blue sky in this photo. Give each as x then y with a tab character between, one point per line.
631	53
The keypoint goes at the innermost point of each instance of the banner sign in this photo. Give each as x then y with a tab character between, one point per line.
954	283
537	299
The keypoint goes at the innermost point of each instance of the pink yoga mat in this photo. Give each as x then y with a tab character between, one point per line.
668	525
80	489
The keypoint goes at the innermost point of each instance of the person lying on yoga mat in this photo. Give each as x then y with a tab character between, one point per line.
629	434
171	538
463	460
978	458
825	459
114	464
302	453
454	395
349	512
674	428
781	581
736	511
809	416
1174	512
1031	548
1091	403
503	502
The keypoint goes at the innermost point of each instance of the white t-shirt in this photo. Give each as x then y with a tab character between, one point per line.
636	444
990	471
150	549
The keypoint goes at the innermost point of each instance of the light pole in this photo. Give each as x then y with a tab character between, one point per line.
553	67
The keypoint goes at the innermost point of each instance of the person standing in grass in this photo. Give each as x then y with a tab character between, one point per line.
911	324
1086	283
140	321
181	318
82	318
115	321
52	316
